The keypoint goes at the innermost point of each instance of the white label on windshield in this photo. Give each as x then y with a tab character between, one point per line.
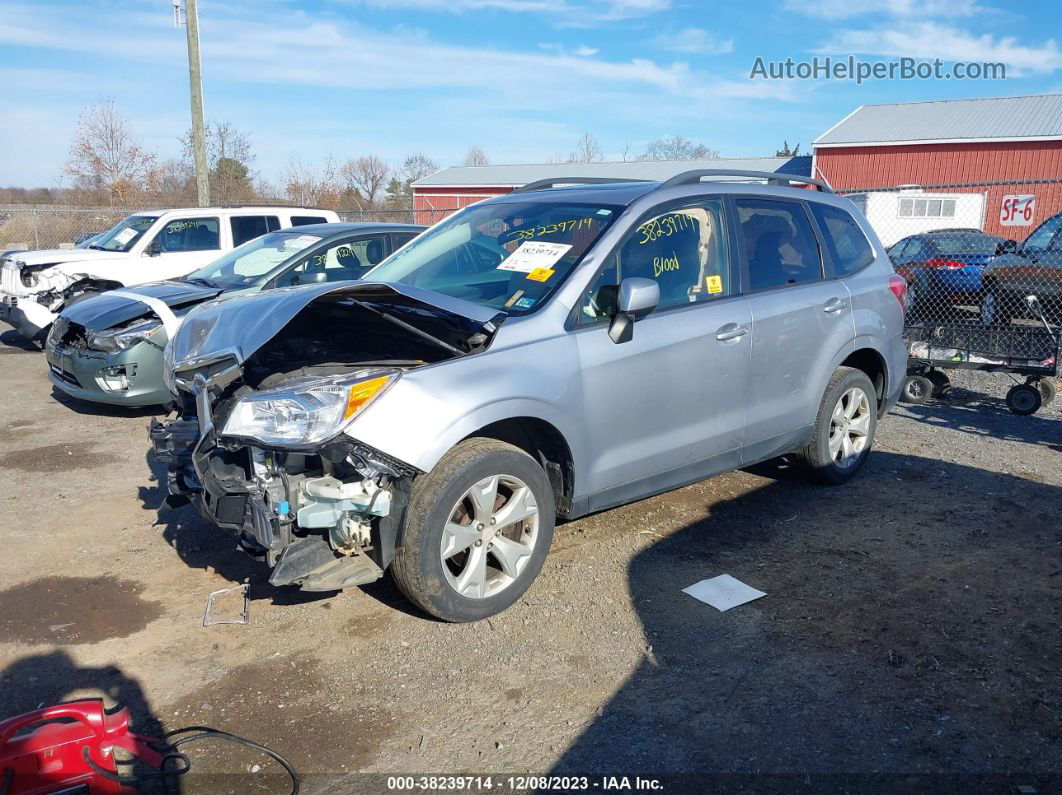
532	256
126	235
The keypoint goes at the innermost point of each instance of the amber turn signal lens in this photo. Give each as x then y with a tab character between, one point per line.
362	393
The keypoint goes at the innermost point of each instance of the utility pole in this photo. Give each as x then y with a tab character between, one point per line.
195	84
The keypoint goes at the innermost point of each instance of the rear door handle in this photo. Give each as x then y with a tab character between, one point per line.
731	331
834	305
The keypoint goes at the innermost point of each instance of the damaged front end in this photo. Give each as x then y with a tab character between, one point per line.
34	294
267	386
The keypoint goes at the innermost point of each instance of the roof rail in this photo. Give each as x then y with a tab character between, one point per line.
553	182
772	178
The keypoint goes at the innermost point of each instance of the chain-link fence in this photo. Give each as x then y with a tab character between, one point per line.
37	227
983	266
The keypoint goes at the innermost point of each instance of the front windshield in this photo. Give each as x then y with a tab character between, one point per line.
505	255
256	258
124	235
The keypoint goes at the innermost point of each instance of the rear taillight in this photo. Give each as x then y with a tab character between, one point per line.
947	264
898	285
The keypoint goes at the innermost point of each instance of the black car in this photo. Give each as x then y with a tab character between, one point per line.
1022	270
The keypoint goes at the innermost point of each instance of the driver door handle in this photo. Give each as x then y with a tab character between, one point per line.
834	305
731	331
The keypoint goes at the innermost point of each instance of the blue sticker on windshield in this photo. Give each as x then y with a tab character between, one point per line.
525	303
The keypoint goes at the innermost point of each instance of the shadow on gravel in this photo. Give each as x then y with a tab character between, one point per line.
988	417
105	409
41	680
13	342
909	627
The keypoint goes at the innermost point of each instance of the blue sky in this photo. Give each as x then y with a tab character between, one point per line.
523	79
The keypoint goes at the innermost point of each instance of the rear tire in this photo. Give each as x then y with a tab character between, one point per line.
996	309
844	428
917	389
1024	399
941	382
436	563
1048	390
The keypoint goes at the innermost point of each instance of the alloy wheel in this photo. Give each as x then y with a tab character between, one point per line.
849	427
489	536
988	309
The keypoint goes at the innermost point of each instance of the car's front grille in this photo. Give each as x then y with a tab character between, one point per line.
64	376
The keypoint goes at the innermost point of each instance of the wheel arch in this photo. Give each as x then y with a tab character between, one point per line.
544	442
871	362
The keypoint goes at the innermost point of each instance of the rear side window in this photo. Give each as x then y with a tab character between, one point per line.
780	246
248	227
848	246
305	220
189	234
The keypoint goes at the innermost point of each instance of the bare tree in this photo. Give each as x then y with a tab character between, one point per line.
417	166
310	186
366	177
475	156
105	155
587	150
676	147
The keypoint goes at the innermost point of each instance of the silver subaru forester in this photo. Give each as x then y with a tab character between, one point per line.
552	352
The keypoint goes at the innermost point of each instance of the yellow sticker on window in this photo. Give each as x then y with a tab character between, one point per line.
714	284
541	274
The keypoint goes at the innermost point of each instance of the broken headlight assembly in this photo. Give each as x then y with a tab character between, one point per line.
306	410
114	340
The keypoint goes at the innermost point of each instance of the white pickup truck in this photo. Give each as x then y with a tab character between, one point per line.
146	247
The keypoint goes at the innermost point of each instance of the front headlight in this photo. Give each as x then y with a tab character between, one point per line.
115	340
307	410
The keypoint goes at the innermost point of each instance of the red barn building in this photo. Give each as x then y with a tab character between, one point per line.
950	142
439	194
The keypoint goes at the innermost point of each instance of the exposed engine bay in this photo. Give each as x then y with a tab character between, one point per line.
258	445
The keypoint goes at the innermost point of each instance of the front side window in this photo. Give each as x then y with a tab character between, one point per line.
124	235
848	246
508	255
780	246
248	227
254	260
343	261
188	234
684	250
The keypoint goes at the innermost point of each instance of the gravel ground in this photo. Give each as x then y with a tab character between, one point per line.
910	627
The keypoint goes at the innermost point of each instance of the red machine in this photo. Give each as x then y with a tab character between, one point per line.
54	757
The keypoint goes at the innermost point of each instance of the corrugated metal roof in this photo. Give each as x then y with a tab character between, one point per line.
512	176
1036	117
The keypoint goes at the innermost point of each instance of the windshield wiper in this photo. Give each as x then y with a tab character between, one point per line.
97	247
204	282
410	328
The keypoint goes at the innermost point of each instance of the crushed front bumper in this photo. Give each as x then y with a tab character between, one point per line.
313	530
131	377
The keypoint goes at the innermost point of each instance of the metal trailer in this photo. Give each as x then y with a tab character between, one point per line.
1016	350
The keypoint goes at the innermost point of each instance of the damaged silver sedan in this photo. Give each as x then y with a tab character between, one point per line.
549	353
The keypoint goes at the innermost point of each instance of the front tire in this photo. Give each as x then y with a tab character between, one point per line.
476	533
844	428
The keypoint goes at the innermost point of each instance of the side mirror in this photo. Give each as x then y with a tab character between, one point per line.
1007	246
637	298
154	248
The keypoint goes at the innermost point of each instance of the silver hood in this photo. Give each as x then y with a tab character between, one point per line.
237	327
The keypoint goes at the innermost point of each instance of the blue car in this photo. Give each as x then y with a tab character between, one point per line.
943	267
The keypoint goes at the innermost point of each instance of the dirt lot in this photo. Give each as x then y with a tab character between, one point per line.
911	624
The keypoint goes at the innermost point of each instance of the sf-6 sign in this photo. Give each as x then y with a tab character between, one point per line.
1017	210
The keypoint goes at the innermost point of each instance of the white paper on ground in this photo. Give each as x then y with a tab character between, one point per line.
723	592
